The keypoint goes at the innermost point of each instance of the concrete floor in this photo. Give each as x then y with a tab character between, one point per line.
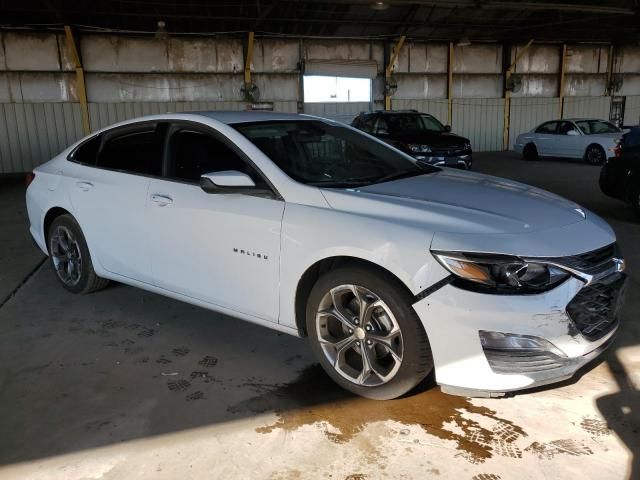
128	384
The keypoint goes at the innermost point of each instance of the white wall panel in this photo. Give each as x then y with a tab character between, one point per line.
481	120
578	107
31	134
527	113
341	111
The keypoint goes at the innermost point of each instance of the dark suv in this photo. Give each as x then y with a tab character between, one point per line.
420	135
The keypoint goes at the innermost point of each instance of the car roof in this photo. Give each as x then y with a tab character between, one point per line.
576	120
231	117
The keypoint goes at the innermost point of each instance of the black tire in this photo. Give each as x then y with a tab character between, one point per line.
530	152
594	155
87	280
416	360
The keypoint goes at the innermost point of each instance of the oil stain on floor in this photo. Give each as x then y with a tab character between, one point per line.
314	398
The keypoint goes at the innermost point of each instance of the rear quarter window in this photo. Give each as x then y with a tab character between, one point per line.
87	153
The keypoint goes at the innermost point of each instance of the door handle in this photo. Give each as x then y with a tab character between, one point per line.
161	200
84	186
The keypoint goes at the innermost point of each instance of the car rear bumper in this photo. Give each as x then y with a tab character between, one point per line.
454	320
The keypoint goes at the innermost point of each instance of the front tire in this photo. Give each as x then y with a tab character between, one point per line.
530	152
69	257
365	333
594	155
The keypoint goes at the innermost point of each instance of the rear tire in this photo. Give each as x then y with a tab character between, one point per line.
70	258
594	155
355	312
530	152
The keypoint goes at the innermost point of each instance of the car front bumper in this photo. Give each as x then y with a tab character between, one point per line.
455	161
453	319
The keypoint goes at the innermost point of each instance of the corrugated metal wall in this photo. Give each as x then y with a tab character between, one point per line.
578	107
632	110
528	112
104	114
341	111
32	133
481	120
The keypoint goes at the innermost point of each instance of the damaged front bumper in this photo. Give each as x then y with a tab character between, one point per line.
486	345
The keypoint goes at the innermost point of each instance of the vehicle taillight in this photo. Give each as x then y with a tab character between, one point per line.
29	178
617	150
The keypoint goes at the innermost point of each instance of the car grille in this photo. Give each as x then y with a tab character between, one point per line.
447	151
590	260
522	361
594	309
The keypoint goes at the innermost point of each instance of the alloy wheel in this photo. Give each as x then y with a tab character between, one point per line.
594	156
66	255
359	335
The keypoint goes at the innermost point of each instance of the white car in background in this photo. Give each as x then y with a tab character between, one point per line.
311	227
590	139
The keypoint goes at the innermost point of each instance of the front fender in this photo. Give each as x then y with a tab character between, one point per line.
312	234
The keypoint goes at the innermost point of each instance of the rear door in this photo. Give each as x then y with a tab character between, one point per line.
109	198
221	248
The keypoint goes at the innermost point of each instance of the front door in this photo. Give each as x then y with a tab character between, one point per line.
220	248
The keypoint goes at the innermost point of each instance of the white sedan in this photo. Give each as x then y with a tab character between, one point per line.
312	228
589	139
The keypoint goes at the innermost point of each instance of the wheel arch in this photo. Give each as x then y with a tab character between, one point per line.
50	216
314	271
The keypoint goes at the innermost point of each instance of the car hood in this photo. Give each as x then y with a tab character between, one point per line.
475	212
434	139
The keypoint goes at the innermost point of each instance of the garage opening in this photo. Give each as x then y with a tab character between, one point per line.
324	89
338	89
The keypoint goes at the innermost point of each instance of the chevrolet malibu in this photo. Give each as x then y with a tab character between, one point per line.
392	269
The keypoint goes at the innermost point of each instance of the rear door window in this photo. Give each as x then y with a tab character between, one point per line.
87	153
135	150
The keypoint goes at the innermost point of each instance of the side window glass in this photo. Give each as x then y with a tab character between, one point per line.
87	153
194	153
137	151
368	124
381	127
565	128
549	127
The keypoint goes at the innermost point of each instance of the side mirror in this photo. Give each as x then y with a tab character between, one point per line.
229	181
447	128
573	133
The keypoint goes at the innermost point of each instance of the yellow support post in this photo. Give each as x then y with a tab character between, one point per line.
389	70
563	66
450	85
248	60
507	96
80	84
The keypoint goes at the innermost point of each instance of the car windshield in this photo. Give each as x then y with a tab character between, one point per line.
593	127
321	154
403	123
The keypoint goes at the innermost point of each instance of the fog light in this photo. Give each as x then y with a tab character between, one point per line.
512	342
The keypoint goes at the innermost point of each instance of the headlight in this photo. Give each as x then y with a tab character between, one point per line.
419	148
501	273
